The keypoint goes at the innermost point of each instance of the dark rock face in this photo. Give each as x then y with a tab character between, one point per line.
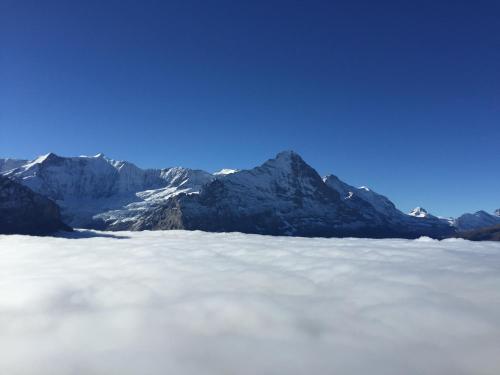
23	211
483	234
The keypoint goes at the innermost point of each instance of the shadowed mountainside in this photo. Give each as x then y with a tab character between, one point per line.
23	211
483	234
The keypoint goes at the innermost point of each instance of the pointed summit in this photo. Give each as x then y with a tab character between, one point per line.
497	212
47	158
419	212
287	161
287	154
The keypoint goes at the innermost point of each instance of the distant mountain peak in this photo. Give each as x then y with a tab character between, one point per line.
44	159
419	212
287	161
287	154
47	157
497	212
225	171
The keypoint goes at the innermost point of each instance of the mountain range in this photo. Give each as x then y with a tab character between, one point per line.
283	196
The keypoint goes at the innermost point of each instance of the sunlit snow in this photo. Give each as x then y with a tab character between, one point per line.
180	302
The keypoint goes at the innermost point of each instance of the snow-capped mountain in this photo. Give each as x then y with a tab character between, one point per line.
477	220
285	196
419	212
497	212
363	199
282	196
175	181
86	186
86	177
23	211
352	196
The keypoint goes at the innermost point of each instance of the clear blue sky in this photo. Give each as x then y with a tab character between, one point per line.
402	96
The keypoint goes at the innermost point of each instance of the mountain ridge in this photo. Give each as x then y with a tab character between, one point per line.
283	196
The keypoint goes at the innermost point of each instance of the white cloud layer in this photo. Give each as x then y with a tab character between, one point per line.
197	303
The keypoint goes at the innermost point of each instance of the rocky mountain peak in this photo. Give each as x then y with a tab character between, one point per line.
419	212
287	154
47	158
284	158
288	164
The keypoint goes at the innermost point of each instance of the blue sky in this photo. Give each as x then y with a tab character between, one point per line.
402	96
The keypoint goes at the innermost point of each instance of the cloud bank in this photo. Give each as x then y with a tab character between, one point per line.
197	303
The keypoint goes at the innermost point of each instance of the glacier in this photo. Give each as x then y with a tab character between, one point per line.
190	302
89	187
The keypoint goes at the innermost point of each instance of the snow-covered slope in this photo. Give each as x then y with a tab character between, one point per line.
175	181
362	198
354	196
84	176
8	164
86	186
225	171
419	212
477	220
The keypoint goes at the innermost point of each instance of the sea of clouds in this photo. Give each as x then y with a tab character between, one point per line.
180	303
